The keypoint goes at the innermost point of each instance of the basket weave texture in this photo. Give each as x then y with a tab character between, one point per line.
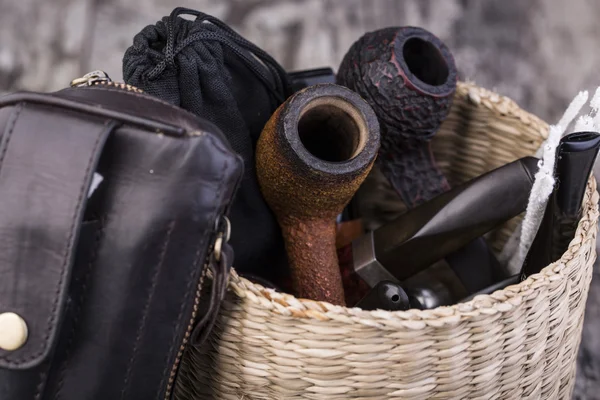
520	342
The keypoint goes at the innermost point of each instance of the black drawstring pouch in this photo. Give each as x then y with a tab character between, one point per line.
205	67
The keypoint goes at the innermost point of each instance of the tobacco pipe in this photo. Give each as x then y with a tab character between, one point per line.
491	289
433	287
575	157
308	77
409	78
438	285
386	295
439	227
311	157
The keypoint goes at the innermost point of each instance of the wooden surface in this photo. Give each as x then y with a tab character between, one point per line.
538	52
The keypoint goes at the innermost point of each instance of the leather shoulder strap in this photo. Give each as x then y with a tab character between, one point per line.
47	161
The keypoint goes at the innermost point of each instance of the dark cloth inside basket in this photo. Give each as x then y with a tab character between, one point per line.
205	67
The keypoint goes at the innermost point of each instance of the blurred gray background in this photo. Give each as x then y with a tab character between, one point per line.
538	52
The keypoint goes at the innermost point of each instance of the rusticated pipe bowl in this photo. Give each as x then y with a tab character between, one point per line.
312	156
409	77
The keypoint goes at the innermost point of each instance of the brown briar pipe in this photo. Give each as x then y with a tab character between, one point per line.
311	157
409	78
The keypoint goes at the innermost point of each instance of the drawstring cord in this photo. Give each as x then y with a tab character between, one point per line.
234	42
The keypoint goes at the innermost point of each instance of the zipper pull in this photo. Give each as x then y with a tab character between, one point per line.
224	229
220	262
91	78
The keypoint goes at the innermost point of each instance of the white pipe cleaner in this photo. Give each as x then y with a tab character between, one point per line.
544	178
590	122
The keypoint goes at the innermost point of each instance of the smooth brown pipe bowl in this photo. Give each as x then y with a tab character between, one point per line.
311	157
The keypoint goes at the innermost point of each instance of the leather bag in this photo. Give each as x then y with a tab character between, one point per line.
100	283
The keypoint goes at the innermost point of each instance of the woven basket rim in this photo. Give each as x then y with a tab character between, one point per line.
500	104
500	301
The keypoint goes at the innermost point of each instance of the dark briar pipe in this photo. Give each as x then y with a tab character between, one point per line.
433	287
425	234
409	78
308	77
311	157
491	289
386	295
575	157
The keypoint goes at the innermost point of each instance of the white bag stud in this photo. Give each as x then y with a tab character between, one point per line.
13	331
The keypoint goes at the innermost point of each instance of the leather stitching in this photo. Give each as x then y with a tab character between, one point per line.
9	132
38	391
168	368
81	300
142	324
66	258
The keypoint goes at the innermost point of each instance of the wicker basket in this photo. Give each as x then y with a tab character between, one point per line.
520	342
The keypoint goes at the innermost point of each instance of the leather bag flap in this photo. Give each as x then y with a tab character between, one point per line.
47	161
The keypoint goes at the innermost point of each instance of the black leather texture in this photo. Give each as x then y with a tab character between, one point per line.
106	286
43	200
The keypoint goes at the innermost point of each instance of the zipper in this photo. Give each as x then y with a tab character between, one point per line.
190	327
90	78
223	227
99	77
